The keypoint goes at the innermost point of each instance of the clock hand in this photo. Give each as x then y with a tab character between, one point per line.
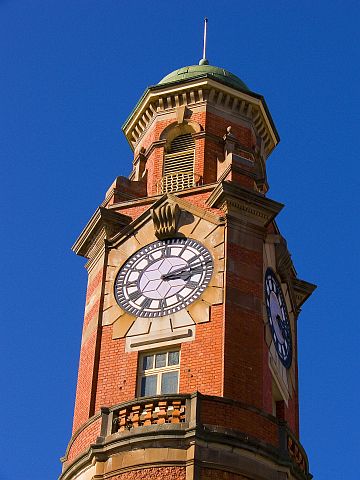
173	276
178	270
182	269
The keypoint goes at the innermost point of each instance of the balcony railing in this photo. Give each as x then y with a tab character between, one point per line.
173	182
297	453
149	412
180	417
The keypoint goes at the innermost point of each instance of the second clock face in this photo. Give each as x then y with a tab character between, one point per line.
163	277
278	318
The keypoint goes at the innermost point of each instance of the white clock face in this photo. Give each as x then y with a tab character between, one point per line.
278	318
163	277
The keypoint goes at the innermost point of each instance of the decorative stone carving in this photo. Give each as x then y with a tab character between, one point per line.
180	127
172	214
165	220
229	142
180	114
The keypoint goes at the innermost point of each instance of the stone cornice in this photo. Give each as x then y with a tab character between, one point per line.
103	224
166	98
299	290
245	205
302	290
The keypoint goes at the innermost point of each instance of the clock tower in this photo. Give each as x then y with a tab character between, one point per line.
188	363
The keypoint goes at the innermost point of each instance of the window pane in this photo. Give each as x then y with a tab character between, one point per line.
148	362
169	382
160	360
173	358
148	386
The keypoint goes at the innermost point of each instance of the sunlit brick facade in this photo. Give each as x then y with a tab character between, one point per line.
210	390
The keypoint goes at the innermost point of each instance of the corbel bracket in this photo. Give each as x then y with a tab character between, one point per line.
165	220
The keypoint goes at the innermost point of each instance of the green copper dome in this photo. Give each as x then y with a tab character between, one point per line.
195	71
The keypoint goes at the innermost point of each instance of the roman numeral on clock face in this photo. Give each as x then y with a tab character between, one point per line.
196	270
146	303
135	296
166	251
162	305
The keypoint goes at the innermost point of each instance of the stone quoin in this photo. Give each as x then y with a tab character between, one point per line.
189	363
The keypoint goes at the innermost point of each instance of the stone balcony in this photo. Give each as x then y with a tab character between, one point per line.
184	437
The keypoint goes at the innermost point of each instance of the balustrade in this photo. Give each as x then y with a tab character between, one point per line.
296	454
153	412
195	414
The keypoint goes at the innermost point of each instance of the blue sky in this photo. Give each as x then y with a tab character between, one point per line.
71	72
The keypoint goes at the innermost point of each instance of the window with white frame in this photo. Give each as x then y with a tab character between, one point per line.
159	373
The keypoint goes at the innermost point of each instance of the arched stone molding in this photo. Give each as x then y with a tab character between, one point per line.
175	129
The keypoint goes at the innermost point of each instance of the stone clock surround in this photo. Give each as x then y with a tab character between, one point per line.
140	332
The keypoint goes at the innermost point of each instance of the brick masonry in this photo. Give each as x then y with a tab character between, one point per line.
117	371
235	416
83	440
212	474
155	473
229	356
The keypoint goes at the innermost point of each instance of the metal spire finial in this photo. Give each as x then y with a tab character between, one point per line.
204	60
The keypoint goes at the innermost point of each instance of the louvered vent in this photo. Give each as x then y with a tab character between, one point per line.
178	170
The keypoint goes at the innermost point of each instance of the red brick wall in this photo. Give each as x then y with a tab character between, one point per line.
154	167
212	474
212	151
217	125
88	352
267	384
202	359
199	200
291	413
117	371
84	384
84	439
155	473
244	335
241	179
233	415
293	417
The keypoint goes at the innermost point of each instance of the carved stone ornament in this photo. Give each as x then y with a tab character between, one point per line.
165	220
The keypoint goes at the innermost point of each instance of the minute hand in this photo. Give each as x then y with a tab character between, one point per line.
186	269
173	276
